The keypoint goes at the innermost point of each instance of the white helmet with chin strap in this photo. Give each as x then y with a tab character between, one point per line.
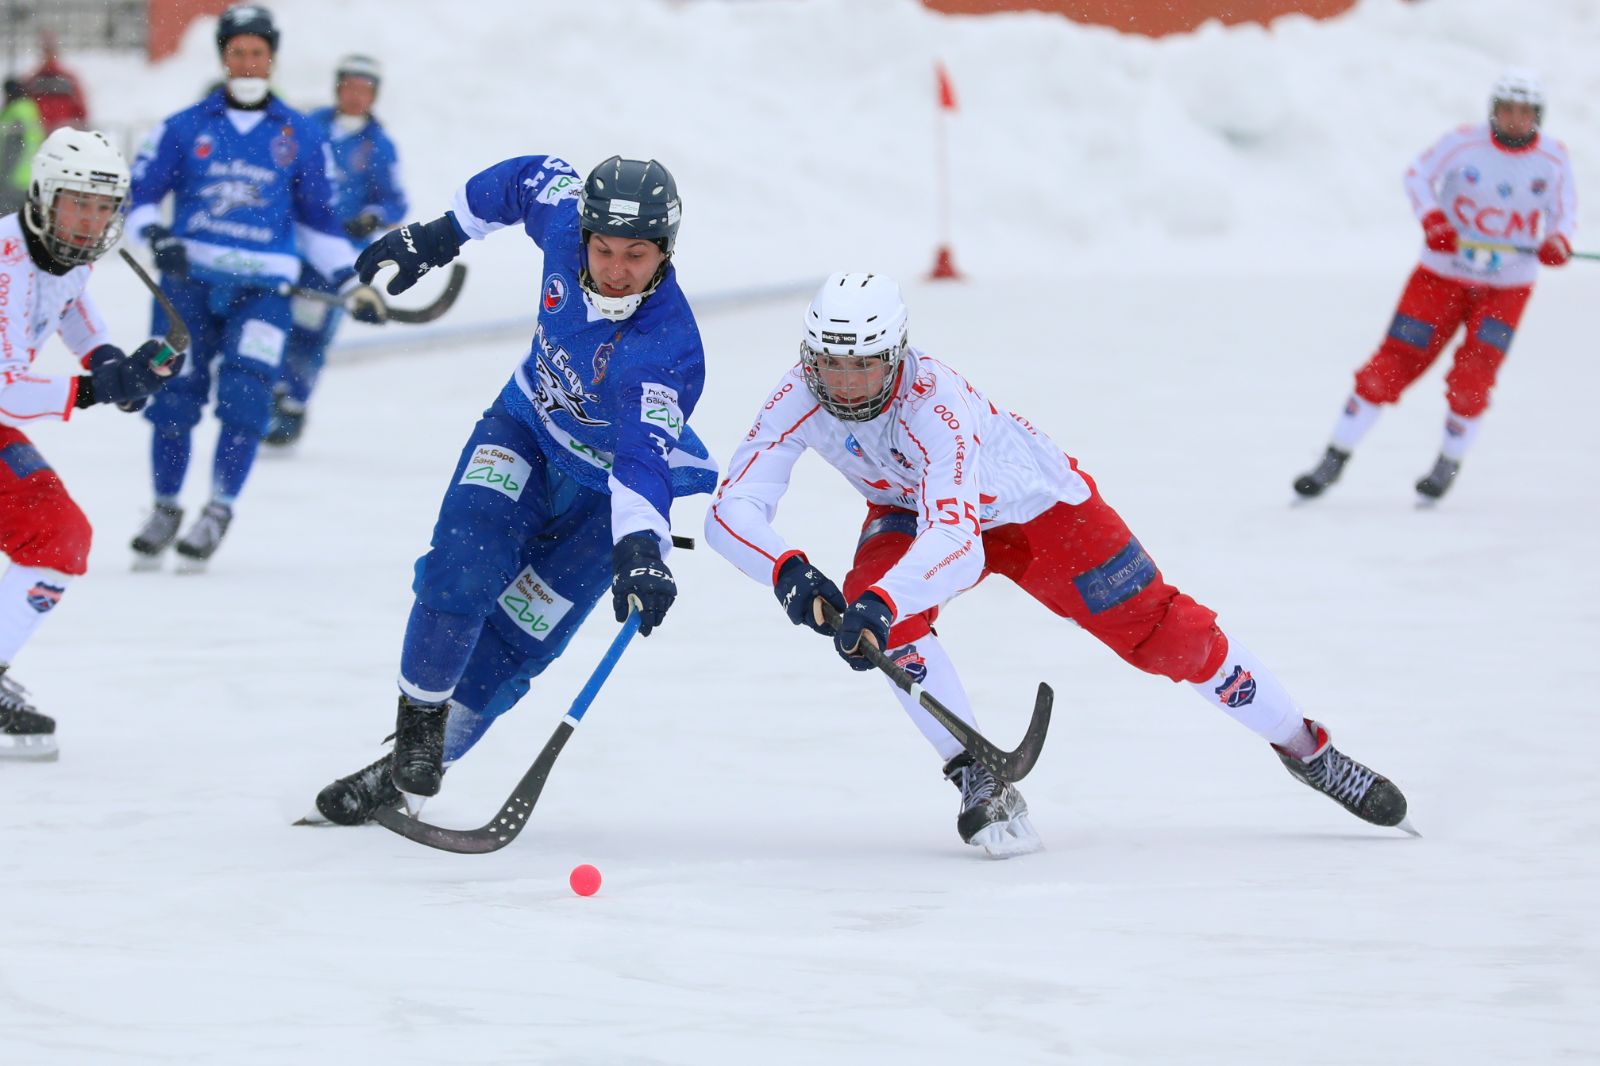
856	325
1519	85
75	161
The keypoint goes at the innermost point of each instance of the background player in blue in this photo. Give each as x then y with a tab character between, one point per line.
250	185
565	485
367	197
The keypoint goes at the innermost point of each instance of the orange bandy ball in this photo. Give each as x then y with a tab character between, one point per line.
585	880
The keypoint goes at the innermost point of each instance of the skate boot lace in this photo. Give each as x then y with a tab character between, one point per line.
1340	777
13	697
977	787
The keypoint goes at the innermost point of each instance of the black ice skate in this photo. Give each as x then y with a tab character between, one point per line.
288	422
419	746
994	816
354	799
156	536
205	536
24	732
1439	479
1364	793
1323	474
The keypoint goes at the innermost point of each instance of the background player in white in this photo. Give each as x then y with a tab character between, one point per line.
1480	193
71	217
958	488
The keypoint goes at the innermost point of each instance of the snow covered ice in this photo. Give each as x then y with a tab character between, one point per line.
1178	252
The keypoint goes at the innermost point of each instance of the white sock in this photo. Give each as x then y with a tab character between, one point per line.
1459	433
1248	693
928	664
27	594
1357	417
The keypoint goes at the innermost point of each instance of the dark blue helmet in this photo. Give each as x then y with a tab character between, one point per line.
244	19
633	199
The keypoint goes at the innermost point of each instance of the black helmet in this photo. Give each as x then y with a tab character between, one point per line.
244	19
628	198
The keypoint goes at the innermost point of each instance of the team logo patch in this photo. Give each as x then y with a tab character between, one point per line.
1471	175
1504	189
1454	427
1539	185
42	596
555	293
284	148
497	468
900	457
202	146
658	406
12	251
853	446
533	605
912	662
602	359
1239	689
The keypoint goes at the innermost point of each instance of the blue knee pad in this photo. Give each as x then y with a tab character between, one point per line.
178	406
244	396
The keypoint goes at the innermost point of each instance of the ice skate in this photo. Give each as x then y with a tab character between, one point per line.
1438	481
204	537
1363	792
25	734
994	816
156	536
355	798
1323	474
288	422
419	746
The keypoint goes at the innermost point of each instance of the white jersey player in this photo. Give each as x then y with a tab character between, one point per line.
1494	201
71	217
956	488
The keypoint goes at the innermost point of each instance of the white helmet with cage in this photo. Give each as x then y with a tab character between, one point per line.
855	339
81	163
1518	85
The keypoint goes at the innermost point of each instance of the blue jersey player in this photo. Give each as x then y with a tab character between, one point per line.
368	197
565	485
249	180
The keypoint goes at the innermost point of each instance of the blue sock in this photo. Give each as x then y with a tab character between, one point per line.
435	652
169	461
236	452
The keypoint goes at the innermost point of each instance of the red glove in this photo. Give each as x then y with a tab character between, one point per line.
1439	233
1555	251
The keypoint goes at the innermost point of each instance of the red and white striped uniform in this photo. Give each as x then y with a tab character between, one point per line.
940	449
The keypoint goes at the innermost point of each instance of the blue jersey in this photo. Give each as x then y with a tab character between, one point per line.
609	401
252	192
366	170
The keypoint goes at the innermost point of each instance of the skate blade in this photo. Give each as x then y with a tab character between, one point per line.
414	804
1405	824
146	564
1007	840
187	564
314	818
1427	503
33	747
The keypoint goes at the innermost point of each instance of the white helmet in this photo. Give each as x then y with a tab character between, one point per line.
1519	85
356	65
857	323
79	161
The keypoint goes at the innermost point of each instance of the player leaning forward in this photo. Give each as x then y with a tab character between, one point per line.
1494	201
957	489
565	486
71	217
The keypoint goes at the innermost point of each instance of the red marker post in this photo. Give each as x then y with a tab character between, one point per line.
944	264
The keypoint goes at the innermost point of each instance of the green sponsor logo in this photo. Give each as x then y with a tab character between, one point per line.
489	476
666	416
590	454
521	608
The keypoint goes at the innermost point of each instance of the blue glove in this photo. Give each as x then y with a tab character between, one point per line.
869	614
171	256
414	249
637	570
799	586
362	301
128	380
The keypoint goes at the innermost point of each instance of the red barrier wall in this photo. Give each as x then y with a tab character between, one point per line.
1153	18
169	18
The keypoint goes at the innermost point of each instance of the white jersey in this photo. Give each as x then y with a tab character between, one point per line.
1516	196
940	449
34	305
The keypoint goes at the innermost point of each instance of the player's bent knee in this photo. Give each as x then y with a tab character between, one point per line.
56	536
244	399
1186	645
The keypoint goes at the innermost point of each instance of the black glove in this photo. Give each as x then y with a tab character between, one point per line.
362	301
637	570
125	380
171	256
362	224
414	249
799	585
869	614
